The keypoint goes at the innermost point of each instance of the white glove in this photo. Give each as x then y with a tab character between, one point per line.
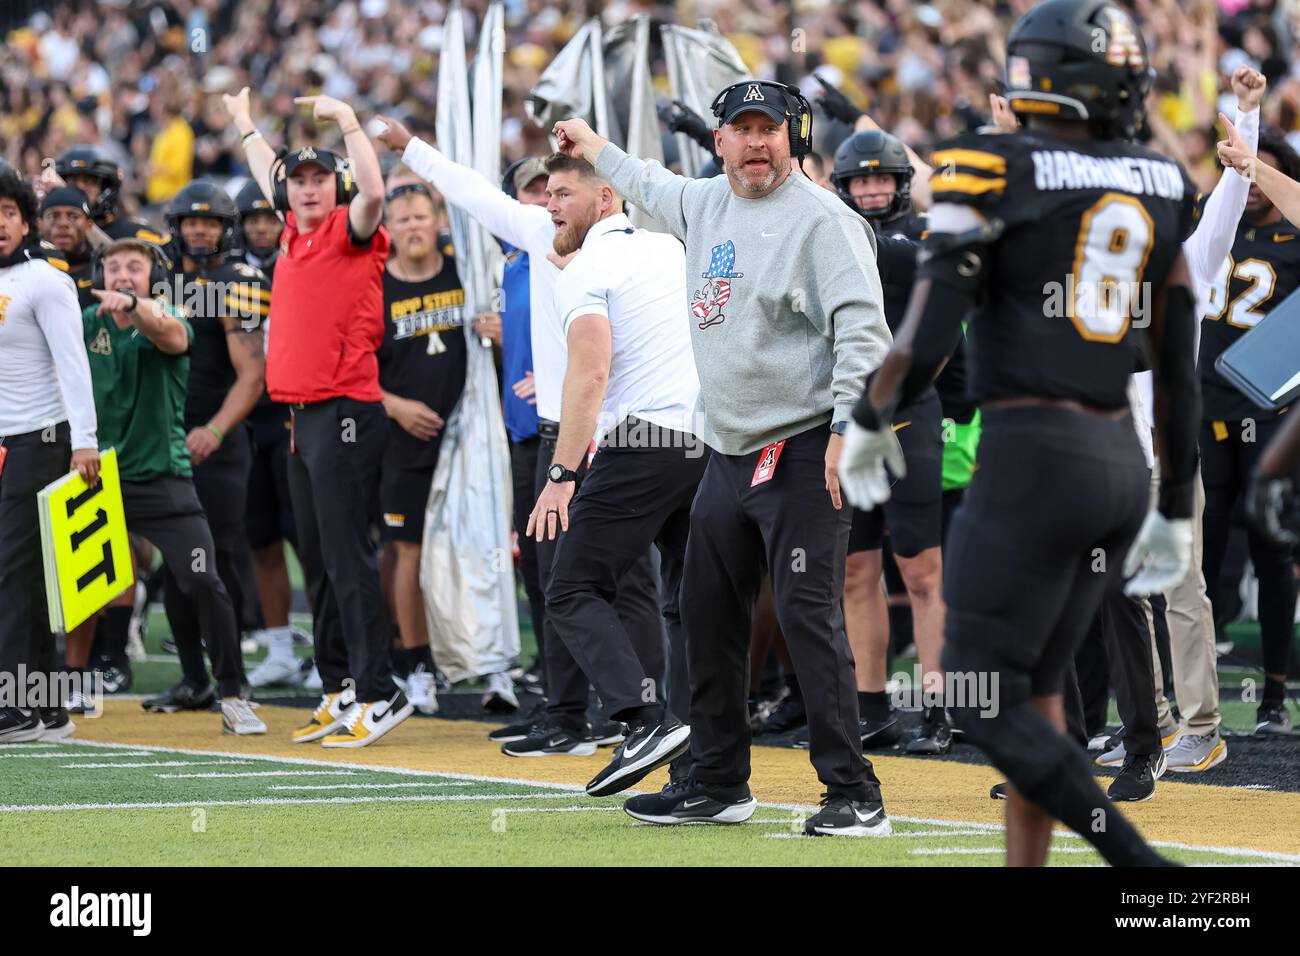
1163	552
863	478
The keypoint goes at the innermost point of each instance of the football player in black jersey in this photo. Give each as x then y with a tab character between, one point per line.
1262	270
1053	233
422	366
100	178
261	228
225	302
873	175
65	223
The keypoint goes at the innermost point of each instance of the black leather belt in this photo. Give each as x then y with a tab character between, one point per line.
548	429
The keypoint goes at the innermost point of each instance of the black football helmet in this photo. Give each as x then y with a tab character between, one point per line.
250	199
874	151
90	161
1080	60
210	201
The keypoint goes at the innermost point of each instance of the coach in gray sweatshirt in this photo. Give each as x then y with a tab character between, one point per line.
786	316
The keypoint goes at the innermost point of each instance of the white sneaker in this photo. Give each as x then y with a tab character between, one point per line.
420	691
251	641
237	717
499	698
312	681
278	668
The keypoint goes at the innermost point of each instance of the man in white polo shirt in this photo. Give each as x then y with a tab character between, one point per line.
630	381
47	426
563	728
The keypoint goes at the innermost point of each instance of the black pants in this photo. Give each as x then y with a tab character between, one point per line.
1122	623
637	603
32	463
1055	490
1226	466
632	497
334	478
523	479
269	515
790	521
166	511
1093	673
221	483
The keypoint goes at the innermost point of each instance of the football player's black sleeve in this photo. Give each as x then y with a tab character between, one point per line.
974	170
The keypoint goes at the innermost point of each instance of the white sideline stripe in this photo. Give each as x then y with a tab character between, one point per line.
72	756
560	809
150	763
28	746
217	775
1243	852
360	786
278	801
981	850
948	833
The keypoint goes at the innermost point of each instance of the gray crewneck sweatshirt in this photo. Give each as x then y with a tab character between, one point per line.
784	300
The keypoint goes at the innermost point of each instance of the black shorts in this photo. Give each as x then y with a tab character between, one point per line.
269	514
914	511
403	496
1057	498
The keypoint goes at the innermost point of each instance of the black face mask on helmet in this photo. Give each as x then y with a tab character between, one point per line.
89	161
874	151
209	201
251	201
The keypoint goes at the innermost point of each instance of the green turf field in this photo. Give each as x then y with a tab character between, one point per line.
119	805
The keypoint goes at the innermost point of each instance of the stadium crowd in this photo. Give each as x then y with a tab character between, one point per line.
217	140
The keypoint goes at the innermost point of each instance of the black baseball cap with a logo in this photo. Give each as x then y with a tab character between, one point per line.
767	98
311	156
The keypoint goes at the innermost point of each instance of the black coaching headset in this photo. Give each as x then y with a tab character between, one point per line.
798	112
159	272
344	186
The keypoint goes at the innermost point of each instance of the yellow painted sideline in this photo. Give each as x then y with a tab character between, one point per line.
1197	814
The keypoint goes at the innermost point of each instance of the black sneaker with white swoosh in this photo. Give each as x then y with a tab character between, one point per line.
685	801
842	816
549	739
645	747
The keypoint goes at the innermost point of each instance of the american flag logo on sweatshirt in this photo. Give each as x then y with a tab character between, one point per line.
722	262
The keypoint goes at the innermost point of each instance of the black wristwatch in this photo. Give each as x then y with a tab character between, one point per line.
839	428
559	474
135	299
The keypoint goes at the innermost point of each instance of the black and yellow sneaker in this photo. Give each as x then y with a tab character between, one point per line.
326	718
365	723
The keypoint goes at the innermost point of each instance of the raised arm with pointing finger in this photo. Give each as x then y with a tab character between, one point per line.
517	223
